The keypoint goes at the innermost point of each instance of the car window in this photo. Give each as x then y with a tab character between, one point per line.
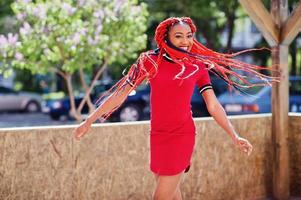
4	90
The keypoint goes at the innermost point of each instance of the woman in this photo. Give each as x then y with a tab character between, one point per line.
172	71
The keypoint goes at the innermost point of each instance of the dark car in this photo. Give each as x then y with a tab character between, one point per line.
137	106
259	99
134	108
59	108
198	105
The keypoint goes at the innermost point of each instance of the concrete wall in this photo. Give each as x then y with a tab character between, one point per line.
111	162
295	154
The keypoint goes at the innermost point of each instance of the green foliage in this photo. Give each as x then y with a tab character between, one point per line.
5	9
25	80
8	45
210	16
67	35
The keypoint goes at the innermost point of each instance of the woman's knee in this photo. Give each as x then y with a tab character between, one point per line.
175	195
162	196
166	187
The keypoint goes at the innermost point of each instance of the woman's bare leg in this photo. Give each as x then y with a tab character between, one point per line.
168	187
178	195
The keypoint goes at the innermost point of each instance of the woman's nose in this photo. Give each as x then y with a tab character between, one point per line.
184	41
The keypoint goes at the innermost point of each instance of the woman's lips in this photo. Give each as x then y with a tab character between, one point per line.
184	48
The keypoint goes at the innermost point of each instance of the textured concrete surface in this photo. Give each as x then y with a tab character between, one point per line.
111	162
295	154
221	171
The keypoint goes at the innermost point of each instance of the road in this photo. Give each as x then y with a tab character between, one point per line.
8	120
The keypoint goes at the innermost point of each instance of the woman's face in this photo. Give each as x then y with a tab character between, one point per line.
181	36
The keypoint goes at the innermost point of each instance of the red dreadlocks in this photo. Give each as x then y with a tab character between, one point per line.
231	70
236	73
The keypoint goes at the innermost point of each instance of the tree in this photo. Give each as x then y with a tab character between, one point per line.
6	17
8	45
69	36
210	16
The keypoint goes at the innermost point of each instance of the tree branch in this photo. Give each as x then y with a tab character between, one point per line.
96	77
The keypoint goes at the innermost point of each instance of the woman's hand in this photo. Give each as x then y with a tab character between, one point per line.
82	129
243	144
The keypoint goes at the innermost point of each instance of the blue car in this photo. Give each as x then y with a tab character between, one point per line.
259	99
198	105
59	108
137	105
135	108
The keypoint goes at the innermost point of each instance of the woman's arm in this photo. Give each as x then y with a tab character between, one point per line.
108	105
143	68
218	113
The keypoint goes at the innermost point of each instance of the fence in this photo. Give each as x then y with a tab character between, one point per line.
111	162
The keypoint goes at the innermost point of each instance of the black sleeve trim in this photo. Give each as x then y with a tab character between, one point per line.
155	52
129	82
205	87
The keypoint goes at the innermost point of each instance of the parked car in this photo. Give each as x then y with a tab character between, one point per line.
134	108
259	99
11	100
198	105
137	106
59	108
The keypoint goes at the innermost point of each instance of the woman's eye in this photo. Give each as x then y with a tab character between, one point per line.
178	36
189	36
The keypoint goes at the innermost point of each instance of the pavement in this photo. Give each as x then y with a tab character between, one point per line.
10	120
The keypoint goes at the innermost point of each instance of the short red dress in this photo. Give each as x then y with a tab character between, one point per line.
172	134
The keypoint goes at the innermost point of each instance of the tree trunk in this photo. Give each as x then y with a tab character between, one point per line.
88	92
67	77
293	52
204	27
231	18
86	88
73	112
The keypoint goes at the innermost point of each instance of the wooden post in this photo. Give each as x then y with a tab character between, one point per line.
279	31
280	128
292	26
262	19
280	103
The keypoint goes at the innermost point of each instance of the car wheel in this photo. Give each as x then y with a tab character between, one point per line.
32	107
130	113
55	116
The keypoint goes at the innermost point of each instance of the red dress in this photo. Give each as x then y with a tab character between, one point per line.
172	134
